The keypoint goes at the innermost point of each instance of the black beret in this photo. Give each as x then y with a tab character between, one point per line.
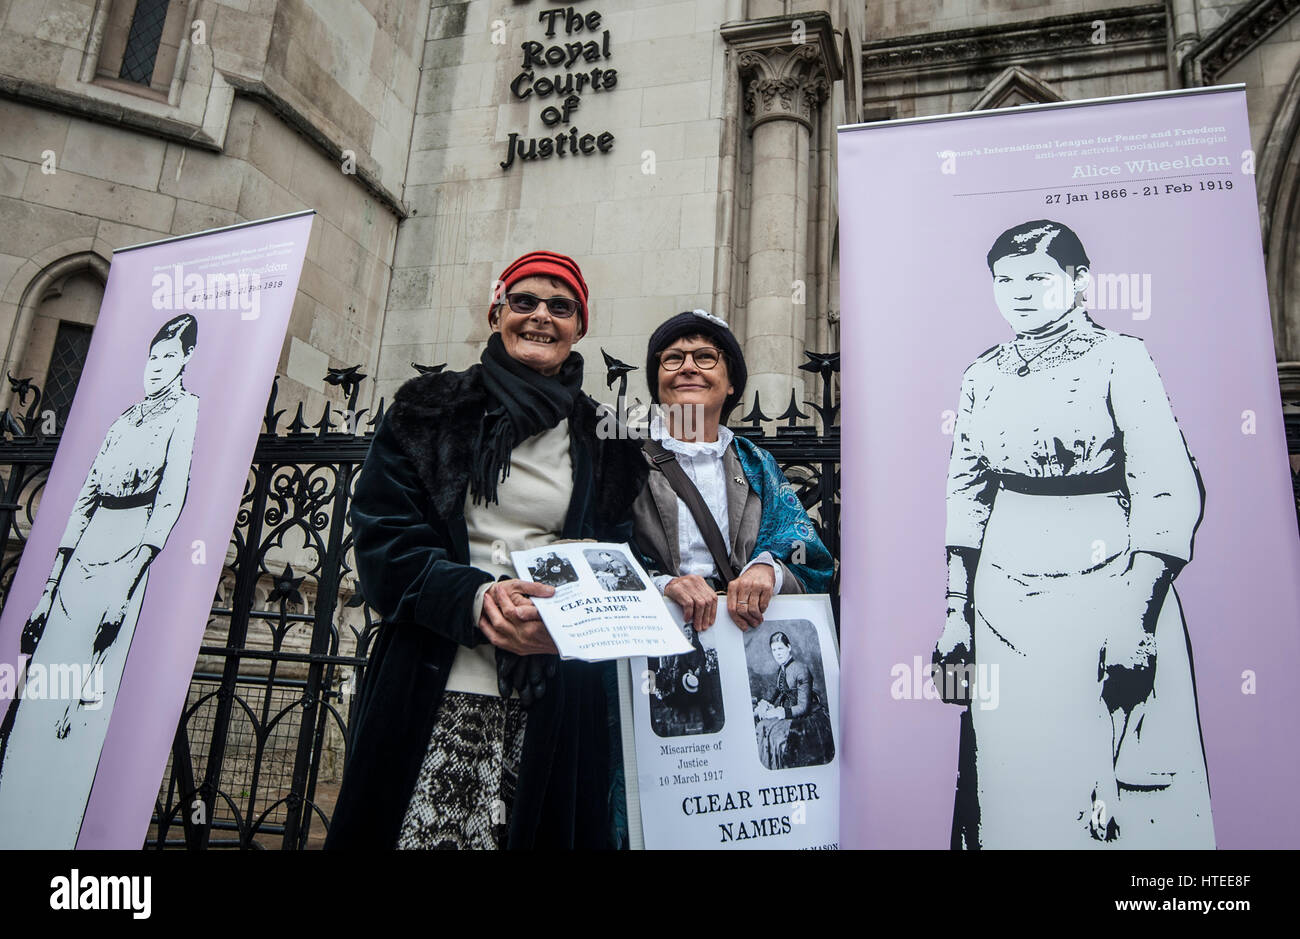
691	323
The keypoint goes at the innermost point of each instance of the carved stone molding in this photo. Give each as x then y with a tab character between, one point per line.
1075	32
1015	86
1246	28
783	84
787	65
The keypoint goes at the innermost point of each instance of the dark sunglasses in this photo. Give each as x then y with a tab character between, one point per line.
674	359
559	307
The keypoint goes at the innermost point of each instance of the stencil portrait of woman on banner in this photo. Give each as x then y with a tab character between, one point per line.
1072	505
86	616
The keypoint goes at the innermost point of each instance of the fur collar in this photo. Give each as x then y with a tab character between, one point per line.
436	418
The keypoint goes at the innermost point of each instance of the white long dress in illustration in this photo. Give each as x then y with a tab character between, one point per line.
86	618
1072	502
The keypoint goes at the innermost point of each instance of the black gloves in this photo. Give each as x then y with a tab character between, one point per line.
526	674
32	632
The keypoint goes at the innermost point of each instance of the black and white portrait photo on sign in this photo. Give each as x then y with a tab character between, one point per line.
613	571
788	690
685	691
553	570
590	616
1072	506
86	616
743	781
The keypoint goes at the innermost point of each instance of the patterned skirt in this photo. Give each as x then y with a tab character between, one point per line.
466	787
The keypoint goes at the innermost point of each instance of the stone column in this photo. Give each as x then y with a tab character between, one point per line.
1184	34
785	83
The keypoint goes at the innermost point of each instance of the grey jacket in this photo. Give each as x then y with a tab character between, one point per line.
655	516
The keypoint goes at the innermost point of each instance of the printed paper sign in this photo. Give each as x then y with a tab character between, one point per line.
737	741
605	606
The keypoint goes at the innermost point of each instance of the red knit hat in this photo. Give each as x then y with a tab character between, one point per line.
543	264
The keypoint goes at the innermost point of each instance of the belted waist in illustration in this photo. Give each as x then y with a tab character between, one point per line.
133	501
1080	484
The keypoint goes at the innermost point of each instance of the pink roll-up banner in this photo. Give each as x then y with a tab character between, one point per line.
103	619
1066	481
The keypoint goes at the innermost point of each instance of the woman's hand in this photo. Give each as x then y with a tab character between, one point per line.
749	594
699	601
1129	654
952	653
34	628
510	621
957	640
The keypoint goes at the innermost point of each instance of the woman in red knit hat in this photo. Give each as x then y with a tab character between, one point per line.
468	731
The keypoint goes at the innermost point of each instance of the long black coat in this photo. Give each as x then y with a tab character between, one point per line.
412	557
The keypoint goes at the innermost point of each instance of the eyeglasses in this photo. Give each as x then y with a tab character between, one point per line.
559	307
704	358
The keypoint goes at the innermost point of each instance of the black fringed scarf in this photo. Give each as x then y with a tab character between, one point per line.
524	402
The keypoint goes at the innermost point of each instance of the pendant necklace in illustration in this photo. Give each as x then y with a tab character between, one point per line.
1024	368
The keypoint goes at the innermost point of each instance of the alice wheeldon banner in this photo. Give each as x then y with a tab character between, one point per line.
735	744
1071	602
104	617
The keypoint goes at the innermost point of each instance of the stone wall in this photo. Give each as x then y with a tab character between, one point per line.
913	17
276	106
640	218
1079	54
657	222
1270	68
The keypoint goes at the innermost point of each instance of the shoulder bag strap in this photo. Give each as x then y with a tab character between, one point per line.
666	462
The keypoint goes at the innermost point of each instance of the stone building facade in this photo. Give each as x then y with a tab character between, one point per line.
716	189
252	108
683	151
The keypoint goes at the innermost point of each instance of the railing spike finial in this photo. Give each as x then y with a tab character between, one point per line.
271	422
323	424
299	424
756	417
792	412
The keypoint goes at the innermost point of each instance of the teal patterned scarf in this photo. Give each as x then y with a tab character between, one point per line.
785	525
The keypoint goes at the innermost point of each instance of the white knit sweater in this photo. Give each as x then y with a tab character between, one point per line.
532	503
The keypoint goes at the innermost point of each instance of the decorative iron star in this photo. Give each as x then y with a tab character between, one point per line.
348	377
614	370
23	388
286	587
819	362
